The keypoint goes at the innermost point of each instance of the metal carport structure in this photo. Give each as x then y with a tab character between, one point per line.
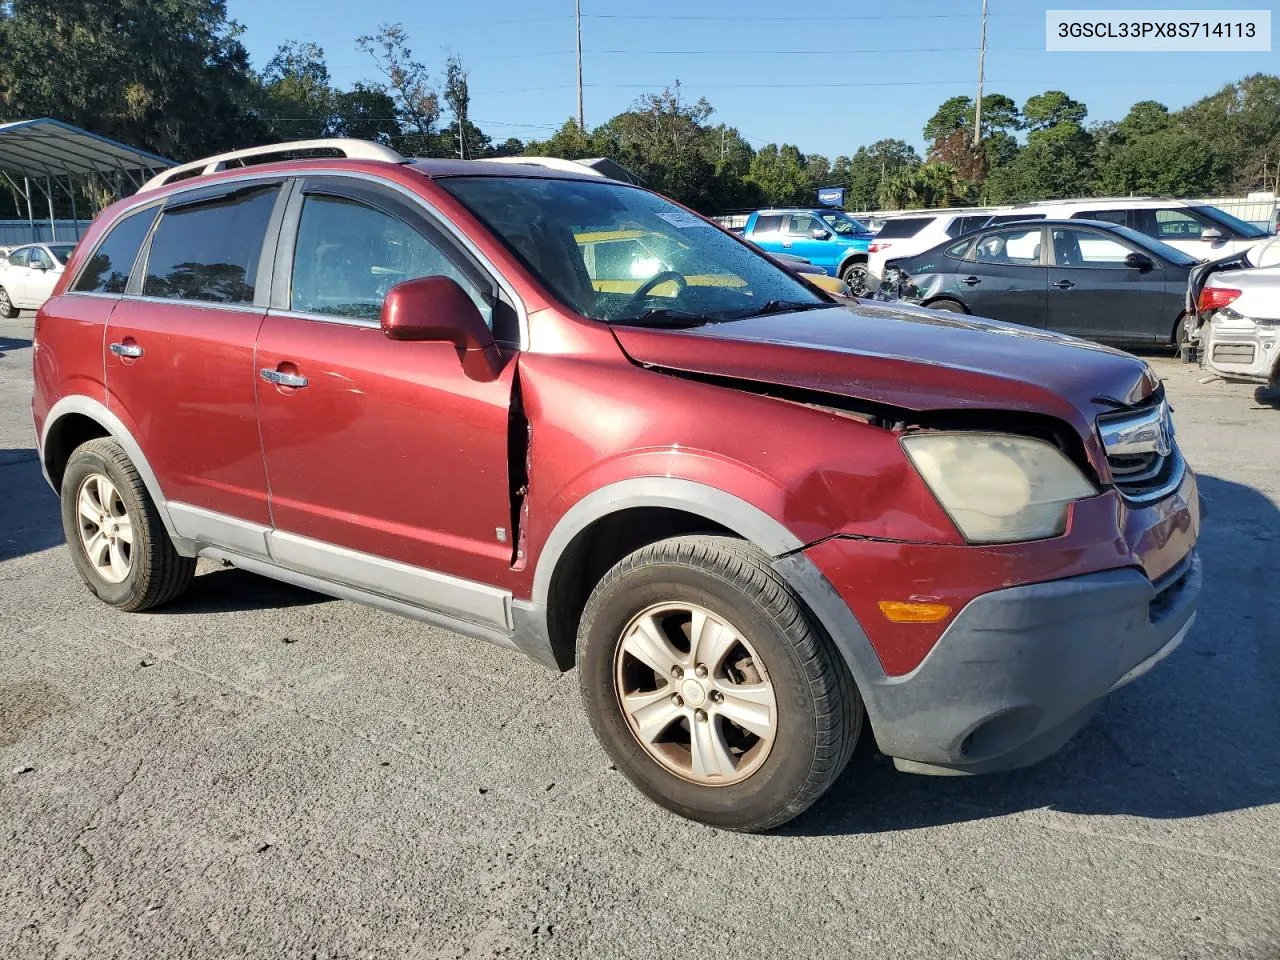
46	155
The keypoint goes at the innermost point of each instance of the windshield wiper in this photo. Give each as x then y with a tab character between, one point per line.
781	306
664	318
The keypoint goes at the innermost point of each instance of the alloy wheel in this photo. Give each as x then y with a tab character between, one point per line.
106	532
695	694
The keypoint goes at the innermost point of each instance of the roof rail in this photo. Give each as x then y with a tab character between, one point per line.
351	149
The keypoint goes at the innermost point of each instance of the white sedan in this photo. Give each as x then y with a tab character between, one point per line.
28	275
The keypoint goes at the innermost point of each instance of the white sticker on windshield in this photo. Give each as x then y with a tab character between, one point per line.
678	218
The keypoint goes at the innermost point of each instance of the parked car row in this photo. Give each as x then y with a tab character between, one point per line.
1087	278
29	273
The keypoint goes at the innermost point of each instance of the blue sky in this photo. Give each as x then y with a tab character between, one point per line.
827	77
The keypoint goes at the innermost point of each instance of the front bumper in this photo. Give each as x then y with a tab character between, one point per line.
1020	670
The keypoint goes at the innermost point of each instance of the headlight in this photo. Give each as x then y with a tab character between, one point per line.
998	488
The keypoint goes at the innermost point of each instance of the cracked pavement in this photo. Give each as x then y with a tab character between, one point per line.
258	771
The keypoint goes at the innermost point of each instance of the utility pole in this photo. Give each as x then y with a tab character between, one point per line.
578	11
982	58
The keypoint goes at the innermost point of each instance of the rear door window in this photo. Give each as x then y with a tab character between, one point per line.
108	269
768	223
901	227
1013	247
1106	216
19	257
209	251
1014	218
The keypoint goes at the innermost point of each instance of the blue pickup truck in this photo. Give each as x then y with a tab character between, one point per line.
830	239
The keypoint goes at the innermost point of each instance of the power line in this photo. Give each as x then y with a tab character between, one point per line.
797	19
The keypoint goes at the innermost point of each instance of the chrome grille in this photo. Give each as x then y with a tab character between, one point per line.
1145	462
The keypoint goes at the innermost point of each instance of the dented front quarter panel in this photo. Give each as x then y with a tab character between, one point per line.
598	420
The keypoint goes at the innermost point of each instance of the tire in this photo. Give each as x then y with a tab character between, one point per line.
129	574
813	715
948	306
858	278
7	310
1183	347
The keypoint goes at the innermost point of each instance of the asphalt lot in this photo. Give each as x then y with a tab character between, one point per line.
258	771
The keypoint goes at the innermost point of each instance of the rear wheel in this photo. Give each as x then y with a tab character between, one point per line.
117	540
7	309
857	277
709	686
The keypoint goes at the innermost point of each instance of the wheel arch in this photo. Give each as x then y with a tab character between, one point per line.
959	303
617	519
75	419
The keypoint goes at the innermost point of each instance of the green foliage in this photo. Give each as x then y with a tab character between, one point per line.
172	76
168	75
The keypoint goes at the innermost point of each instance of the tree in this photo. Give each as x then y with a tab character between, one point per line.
779	174
407	81
366	113
170	76
863	173
467	140
1058	159
664	138
1052	108
298	102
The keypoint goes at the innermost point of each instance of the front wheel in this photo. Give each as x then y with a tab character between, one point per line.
858	278
709	686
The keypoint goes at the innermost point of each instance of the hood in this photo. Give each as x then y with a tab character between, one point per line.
911	358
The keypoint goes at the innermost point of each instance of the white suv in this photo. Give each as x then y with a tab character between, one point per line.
1200	230
913	232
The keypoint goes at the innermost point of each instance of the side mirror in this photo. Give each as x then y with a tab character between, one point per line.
819	234
1212	234
40	265
1139	261
437	309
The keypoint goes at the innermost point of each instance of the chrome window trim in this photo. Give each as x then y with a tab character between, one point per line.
247	306
326	318
441	221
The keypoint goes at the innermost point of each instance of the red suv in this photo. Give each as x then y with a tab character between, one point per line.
566	415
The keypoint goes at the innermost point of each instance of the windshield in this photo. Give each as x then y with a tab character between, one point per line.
617	253
843	224
61	251
1172	254
1245	229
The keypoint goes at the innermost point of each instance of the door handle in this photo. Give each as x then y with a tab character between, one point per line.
130	350
1064	284
971	281
282	379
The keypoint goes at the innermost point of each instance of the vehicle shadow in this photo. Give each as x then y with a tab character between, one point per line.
12	343
29	516
31	521
1195	736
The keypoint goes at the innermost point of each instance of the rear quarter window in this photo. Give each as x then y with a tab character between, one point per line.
901	227
107	271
